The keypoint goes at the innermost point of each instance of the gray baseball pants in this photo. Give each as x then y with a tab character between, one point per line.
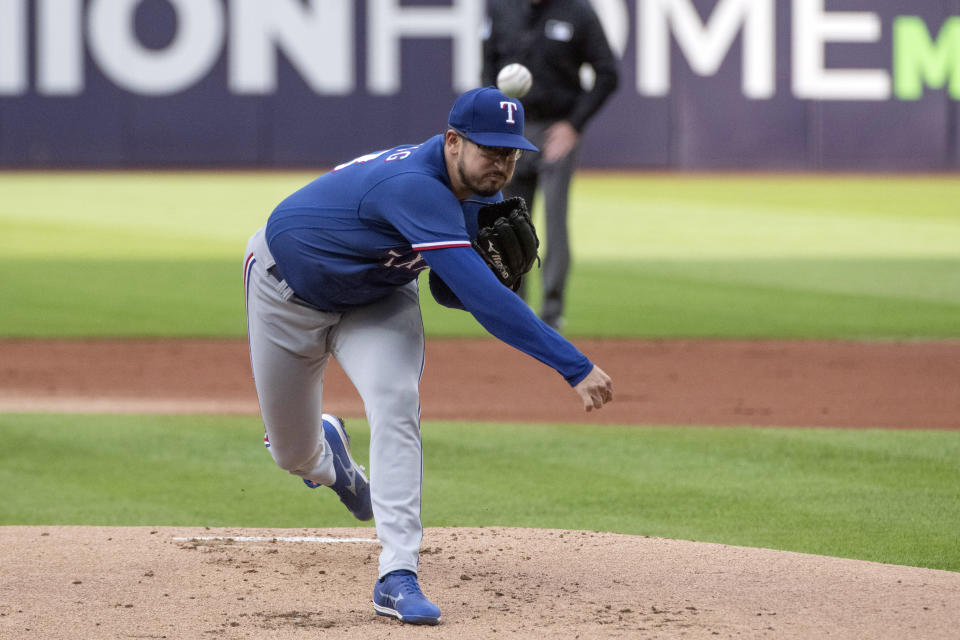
553	179
380	347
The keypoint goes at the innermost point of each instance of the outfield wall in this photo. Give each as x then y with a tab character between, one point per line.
705	84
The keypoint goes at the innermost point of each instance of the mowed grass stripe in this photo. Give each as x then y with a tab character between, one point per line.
130	254
888	496
760	298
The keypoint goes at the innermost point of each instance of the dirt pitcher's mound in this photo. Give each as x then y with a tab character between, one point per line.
136	582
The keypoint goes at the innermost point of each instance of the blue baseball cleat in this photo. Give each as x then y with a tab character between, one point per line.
351	485
398	595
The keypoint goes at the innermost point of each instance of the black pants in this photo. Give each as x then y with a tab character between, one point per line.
553	180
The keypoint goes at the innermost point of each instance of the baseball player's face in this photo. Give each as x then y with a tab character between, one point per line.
485	170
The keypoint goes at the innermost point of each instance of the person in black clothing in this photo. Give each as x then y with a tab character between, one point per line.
553	39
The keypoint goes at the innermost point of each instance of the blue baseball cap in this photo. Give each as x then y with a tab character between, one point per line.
488	117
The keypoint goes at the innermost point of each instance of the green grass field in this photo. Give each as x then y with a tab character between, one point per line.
140	254
889	496
89	254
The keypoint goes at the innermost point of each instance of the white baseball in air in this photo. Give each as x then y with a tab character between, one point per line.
514	80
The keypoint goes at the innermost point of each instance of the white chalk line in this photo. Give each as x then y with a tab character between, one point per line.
277	539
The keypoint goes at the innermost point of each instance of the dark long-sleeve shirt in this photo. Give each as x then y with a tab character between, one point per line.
552	38
356	234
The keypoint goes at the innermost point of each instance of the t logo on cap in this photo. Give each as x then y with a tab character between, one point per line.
478	115
510	107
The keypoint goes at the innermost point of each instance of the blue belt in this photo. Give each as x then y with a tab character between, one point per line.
277	275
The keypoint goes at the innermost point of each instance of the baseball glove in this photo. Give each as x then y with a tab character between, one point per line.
507	240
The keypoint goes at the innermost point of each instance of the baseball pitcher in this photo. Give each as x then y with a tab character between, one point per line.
334	272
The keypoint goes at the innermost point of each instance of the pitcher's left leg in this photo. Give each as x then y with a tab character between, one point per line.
380	347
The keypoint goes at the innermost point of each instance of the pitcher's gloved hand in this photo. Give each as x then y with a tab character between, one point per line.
507	240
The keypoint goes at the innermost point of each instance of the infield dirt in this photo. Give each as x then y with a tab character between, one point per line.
136	582
901	385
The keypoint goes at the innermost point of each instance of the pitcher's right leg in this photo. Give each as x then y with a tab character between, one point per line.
288	355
